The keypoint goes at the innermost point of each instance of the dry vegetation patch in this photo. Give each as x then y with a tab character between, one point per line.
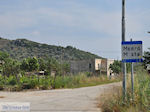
110	95
113	100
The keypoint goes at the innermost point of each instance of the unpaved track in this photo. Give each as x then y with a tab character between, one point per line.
61	100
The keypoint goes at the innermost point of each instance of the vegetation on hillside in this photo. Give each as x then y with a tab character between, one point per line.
22	48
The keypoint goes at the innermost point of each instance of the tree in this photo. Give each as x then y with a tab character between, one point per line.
33	64
24	65
146	58
42	64
4	56
52	65
30	64
65	68
116	67
10	67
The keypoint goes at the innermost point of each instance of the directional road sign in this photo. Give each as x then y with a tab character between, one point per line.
132	51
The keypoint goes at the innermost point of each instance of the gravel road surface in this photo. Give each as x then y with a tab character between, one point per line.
61	100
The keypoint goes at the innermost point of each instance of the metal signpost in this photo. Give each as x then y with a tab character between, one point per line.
132	52
123	39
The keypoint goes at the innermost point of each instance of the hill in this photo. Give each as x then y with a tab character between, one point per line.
23	48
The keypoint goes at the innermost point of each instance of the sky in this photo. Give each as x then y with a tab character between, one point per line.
90	25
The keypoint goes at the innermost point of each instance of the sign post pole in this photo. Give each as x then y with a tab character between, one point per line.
123	39
132	79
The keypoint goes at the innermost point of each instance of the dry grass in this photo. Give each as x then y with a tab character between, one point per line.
113	101
111	95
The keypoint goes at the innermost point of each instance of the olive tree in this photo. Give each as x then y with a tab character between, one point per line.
30	64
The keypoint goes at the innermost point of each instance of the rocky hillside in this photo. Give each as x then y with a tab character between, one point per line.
22	48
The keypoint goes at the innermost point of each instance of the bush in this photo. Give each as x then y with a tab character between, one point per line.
11	80
28	82
47	82
29	64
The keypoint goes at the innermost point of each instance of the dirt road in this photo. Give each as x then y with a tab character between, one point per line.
62	100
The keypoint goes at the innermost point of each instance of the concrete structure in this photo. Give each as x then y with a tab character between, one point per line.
82	66
94	66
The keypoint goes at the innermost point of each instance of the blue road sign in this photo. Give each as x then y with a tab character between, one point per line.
132	51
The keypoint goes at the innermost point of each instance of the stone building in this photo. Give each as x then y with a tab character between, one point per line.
82	66
94	66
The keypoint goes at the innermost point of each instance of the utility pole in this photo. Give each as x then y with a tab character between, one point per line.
123	39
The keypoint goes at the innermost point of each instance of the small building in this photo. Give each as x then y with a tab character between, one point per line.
93	65
82	66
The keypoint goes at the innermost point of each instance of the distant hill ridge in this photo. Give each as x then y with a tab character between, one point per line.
23	48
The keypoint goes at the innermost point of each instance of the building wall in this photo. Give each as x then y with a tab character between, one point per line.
104	65
95	65
98	64
82	66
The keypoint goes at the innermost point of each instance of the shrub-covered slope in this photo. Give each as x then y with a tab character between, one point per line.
22	48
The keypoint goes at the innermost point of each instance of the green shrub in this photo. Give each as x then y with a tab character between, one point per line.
11	83
2	80
11	80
